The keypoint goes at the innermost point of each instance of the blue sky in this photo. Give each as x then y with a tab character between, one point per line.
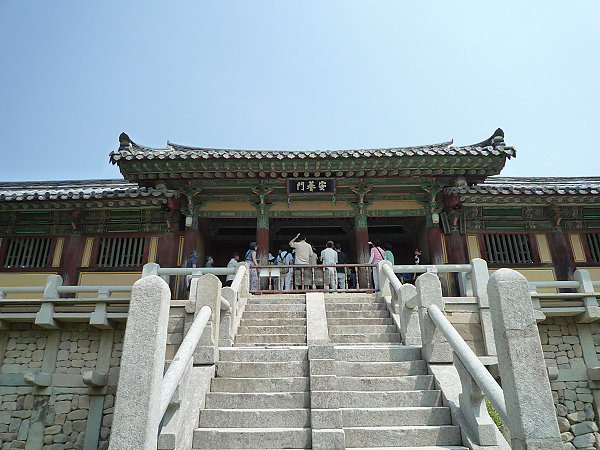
296	75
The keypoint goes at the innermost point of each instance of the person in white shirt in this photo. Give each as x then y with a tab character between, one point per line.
284	257
232	264
330	258
303	253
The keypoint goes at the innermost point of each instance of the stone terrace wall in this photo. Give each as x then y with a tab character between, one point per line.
68	414
564	344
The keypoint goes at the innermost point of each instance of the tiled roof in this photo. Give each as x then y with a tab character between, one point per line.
76	190
534	186
131	151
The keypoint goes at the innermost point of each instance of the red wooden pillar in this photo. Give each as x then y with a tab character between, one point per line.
564	264
363	252
262	239
190	242
167	254
456	251
436	253
72	256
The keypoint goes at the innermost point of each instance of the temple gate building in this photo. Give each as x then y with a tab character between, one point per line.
446	199
71	250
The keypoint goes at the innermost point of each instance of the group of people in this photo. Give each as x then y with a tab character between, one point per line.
299	252
385	254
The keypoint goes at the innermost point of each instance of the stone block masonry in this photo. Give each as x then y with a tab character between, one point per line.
68	414
565	344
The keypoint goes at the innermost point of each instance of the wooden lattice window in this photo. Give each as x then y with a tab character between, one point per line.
508	248
121	252
594	244
28	252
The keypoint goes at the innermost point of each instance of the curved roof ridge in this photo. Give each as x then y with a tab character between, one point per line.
129	150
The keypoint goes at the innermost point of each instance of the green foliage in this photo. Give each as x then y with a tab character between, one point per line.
493	414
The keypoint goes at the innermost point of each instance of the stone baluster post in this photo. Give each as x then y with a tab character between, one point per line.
435	346
529	405
136	422
207	291
479	281
409	315
227	318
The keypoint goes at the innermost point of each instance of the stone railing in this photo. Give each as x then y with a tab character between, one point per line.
473	279
461	375
53	307
151	409
583	304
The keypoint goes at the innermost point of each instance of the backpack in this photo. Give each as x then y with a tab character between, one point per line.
281	262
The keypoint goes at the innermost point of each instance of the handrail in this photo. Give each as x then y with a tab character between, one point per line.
182	358
474	366
194	271
224	304
564	295
553	284
441	268
391	276
239	276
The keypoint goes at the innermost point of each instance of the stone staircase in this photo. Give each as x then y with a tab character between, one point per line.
261	396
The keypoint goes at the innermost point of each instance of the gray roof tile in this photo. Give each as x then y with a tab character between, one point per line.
534	186
76	190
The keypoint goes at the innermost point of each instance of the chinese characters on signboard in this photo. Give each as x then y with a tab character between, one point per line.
311	186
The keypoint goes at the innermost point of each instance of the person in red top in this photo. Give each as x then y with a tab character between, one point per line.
377	254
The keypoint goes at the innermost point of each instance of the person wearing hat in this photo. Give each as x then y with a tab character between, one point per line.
209	262
251	259
420	260
192	264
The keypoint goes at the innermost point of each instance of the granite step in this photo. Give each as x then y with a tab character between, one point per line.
241	355
360	321
262	369
272	329
361	328
403	383
281	384
275	307
380	353
252	438
416	436
368	314
354	306
365	337
270	339
257	400
380	369
395	416
248	418
389	399
256	315
273	321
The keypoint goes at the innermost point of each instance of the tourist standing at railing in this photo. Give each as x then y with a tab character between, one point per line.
420	260
284	258
232	264
192	264
377	254
251	259
341	271
209	262
303	253
389	256
329	257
